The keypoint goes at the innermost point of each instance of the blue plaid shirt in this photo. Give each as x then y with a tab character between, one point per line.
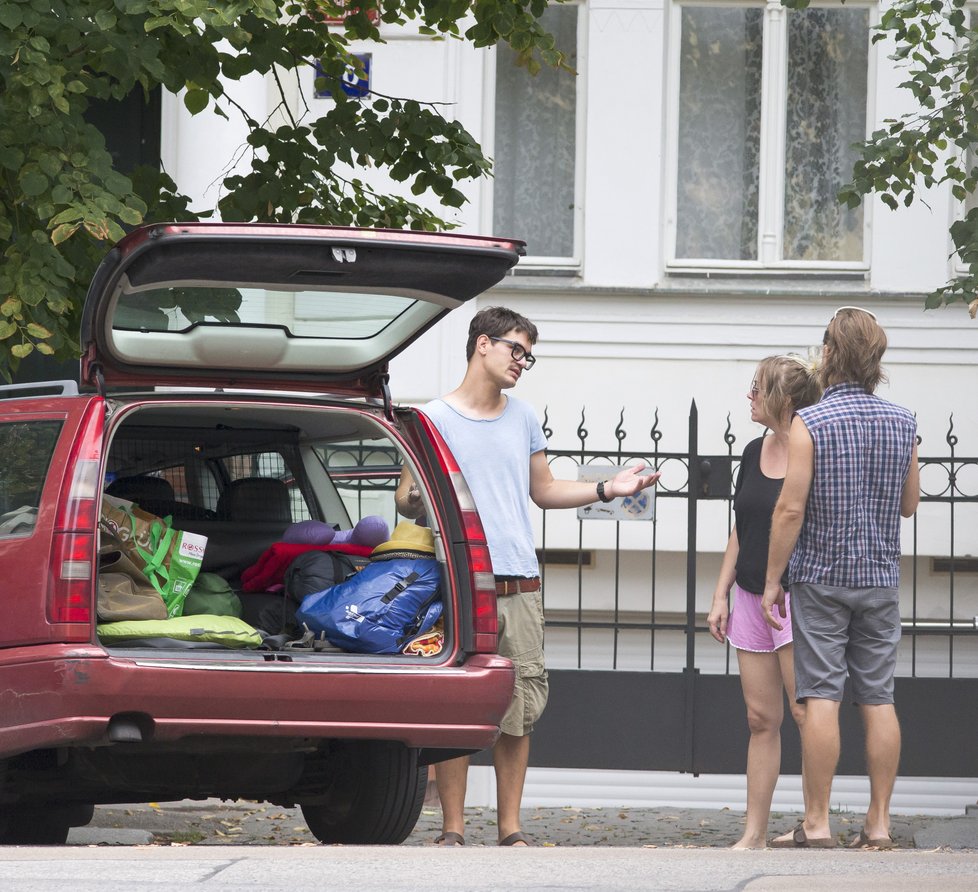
851	533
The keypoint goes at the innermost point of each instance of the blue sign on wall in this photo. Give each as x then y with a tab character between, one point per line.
354	84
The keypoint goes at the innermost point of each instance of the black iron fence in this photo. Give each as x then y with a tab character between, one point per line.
937	623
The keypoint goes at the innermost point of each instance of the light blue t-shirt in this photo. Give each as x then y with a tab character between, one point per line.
494	455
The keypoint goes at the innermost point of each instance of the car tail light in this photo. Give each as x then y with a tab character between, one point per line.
72	566
482	582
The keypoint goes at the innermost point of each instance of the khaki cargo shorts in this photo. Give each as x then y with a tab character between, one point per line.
521	640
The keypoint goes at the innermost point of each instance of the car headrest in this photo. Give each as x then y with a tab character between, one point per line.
255	499
141	488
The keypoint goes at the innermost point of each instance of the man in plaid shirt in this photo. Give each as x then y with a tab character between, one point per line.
852	473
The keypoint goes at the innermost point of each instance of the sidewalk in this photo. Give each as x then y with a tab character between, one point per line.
246	823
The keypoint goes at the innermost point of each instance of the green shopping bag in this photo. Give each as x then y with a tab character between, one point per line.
166	558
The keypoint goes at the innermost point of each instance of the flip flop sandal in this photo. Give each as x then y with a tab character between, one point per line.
799	840
450	838
516	837
864	842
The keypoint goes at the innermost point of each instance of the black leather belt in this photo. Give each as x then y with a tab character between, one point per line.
515	585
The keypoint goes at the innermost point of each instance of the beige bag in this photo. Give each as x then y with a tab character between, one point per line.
120	598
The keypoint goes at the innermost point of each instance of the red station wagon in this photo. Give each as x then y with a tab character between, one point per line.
234	378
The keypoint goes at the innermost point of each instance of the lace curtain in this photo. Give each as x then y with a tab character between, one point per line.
827	59
720	130
535	151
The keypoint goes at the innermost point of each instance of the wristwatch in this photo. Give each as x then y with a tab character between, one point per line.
601	492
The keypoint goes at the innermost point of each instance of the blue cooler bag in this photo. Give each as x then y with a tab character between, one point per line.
379	609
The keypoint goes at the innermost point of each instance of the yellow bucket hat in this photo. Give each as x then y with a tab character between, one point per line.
407	537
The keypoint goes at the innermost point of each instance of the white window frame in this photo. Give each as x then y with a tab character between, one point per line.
770	226
537	262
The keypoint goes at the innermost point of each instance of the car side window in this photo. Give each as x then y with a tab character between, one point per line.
365	474
27	448
280	493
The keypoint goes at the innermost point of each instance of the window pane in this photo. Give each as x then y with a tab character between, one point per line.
719	133
27	451
536	120
827	65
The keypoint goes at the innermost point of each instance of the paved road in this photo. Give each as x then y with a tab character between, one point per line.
197	846
479	869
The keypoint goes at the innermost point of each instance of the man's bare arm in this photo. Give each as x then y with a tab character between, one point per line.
910	498
548	492
789	512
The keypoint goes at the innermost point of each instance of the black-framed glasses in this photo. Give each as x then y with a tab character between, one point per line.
517	351
754	389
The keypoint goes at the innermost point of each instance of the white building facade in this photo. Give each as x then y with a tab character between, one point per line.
677	194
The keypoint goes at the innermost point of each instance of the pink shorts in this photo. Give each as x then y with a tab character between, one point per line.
748	630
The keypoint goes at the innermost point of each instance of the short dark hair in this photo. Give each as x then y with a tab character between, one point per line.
496	322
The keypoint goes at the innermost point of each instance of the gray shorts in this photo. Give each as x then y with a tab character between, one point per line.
839	630
521	640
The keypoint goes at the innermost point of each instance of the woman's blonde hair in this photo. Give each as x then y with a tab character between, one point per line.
787	383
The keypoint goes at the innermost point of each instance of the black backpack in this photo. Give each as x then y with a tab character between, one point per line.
311	571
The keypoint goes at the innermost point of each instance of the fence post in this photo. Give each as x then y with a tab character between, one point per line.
691	503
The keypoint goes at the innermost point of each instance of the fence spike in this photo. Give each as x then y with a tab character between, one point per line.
655	433
547	432
582	430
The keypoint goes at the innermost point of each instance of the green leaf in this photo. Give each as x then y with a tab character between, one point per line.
105	19
37	331
22	350
63	232
7	328
33	183
10	16
196	100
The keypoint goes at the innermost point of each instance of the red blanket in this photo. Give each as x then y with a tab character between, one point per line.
270	568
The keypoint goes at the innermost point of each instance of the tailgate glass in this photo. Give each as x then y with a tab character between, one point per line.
301	313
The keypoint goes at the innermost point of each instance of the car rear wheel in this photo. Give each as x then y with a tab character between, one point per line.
46	825
375	796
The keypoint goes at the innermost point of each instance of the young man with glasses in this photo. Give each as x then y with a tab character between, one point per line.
500	448
852	472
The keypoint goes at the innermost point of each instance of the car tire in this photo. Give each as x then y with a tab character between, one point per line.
43	825
375	797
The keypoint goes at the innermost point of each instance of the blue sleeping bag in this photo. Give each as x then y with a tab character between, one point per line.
379	609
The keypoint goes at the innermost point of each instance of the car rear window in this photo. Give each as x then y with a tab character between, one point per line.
303	313
27	448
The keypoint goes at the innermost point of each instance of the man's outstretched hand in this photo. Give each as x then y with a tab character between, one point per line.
630	481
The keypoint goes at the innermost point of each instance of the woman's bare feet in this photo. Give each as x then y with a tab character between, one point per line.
750	842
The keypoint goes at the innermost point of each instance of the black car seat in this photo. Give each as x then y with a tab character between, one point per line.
152	494
256	499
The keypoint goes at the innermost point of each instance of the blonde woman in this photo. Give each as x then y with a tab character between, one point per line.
781	385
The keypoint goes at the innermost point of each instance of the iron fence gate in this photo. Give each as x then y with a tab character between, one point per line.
684	711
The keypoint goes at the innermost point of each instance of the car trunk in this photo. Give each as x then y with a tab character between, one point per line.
249	473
